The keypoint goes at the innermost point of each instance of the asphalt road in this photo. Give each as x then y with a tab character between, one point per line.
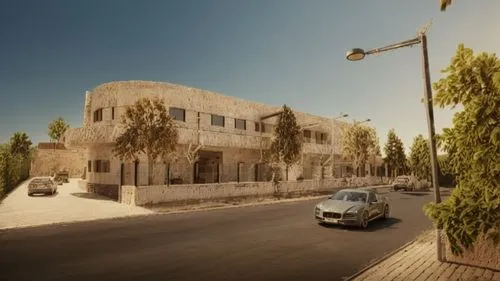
267	242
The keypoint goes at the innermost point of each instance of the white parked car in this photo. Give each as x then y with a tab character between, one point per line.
43	185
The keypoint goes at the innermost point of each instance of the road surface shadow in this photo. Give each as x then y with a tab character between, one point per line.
88	195
372	226
416	193
41	195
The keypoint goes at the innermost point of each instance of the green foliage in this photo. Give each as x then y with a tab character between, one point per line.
420	158
288	139
359	142
148	129
57	128
395	153
473	148
14	163
20	144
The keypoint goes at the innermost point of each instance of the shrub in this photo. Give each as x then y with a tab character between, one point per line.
473	148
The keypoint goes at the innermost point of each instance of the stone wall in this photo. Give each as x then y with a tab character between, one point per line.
108	190
145	195
46	162
484	254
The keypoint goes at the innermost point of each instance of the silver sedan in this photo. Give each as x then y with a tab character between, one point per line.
356	207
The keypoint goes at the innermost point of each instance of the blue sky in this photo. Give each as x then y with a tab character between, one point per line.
276	52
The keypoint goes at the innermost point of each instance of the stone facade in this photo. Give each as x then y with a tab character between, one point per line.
47	161
233	150
156	194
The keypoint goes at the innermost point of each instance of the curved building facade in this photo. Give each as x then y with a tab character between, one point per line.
228	133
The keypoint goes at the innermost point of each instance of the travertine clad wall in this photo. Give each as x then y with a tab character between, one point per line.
46	162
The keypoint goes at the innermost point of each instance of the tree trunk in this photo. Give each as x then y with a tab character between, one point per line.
150	170
286	171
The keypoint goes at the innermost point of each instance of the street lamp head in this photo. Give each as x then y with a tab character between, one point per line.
355	54
345	115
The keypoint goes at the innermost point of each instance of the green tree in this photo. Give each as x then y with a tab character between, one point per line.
473	148
57	128
420	158
395	154
148	129
359	142
20	144
286	146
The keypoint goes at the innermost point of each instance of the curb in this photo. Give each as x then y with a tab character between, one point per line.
378	261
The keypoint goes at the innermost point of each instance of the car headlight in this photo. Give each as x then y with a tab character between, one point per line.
351	213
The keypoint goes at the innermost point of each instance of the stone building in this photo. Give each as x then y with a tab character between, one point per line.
227	134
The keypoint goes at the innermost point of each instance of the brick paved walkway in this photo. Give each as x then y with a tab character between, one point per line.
418	262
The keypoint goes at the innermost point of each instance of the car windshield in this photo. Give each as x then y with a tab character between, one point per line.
40	181
402	179
352	196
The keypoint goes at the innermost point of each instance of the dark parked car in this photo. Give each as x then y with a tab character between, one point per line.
61	177
43	185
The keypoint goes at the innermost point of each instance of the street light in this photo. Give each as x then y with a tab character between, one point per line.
359	54
332	156
361	122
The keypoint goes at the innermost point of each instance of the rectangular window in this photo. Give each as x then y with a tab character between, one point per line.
112	113
105	166
98	115
240	124
307	134
320	138
258	127
218	120
178	114
89	166
98	166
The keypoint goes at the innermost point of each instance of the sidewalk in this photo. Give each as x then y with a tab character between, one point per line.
418	262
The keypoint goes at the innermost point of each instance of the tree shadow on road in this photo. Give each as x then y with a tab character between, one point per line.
88	195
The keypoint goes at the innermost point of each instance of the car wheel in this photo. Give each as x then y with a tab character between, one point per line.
386	212
364	220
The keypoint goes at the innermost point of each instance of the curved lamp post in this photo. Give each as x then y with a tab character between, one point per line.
359	54
361	122
332	156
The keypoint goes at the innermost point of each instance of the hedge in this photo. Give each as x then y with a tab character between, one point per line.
13	169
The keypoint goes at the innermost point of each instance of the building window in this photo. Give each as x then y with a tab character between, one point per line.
112	113
307	135
101	166
98	115
97	166
178	114
89	166
320	138
258	127
105	166
240	124
218	120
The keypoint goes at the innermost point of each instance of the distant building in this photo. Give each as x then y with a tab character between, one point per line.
228	131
